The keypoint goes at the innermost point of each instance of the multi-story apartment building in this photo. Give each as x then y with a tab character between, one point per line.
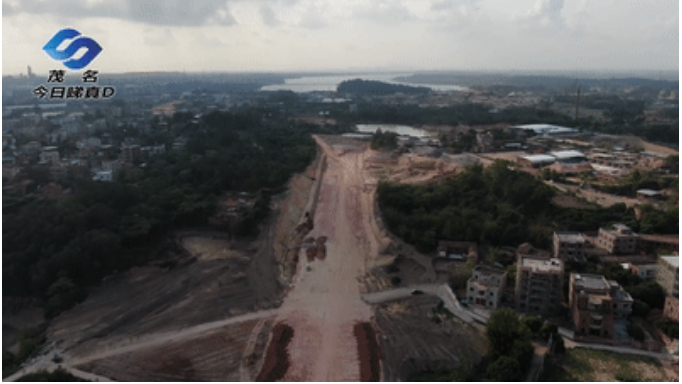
668	274
486	286
596	303
617	240
569	246
539	283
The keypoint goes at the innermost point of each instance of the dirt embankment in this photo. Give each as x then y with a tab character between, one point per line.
293	225
277	357
369	352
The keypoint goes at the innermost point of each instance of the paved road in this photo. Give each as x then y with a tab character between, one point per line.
443	291
617	349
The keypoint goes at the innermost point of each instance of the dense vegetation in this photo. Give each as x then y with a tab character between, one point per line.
54	248
378	88
384	140
498	206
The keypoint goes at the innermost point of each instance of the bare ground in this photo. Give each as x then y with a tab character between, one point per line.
214	356
413	342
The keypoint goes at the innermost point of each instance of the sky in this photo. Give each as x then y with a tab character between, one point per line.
356	35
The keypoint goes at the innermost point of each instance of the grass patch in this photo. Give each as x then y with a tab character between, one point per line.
580	364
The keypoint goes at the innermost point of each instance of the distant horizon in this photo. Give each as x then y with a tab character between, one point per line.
312	36
324	71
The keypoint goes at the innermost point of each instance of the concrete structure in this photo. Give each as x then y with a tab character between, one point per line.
671	310
656	243
104	176
617	240
49	155
131	154
569	246
486	286
539	283
458	250
545	129
596	303
668	274
569	157
536	161
650	194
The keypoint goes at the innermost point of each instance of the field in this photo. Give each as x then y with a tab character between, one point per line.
220	355
414	339
591	365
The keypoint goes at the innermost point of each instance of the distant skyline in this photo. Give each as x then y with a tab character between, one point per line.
350	35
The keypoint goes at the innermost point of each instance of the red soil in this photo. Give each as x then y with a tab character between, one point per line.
276	361
368	351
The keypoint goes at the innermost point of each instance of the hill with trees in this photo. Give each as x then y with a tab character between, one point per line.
54	249
378	88
498	206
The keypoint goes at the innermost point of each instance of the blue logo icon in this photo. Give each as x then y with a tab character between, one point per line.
67	53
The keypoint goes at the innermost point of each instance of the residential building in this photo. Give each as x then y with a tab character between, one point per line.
49	155
539	283
131	154
596	303
486	286
569	246
644	271
668	275
617	240
457	250
671	310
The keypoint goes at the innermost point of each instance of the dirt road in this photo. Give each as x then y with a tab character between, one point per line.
325	303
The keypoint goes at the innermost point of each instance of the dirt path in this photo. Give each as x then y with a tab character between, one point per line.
325	303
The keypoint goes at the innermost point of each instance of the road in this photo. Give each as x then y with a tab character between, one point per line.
325	302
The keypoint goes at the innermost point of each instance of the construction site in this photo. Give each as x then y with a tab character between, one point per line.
286	306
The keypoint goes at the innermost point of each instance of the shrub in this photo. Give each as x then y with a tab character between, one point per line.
533	323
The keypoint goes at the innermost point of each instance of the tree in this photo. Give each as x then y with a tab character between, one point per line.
533	323
636	332
547	330
62	295
640	308
504	330
504	369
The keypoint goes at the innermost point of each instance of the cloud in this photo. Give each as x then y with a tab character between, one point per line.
154	12
268	16
385	12
313	19
547	12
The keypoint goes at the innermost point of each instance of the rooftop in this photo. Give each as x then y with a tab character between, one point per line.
588	281
489	270
672	260
539	158
542	265
566	154
571	237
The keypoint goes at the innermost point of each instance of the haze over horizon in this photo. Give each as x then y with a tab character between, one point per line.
318	36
